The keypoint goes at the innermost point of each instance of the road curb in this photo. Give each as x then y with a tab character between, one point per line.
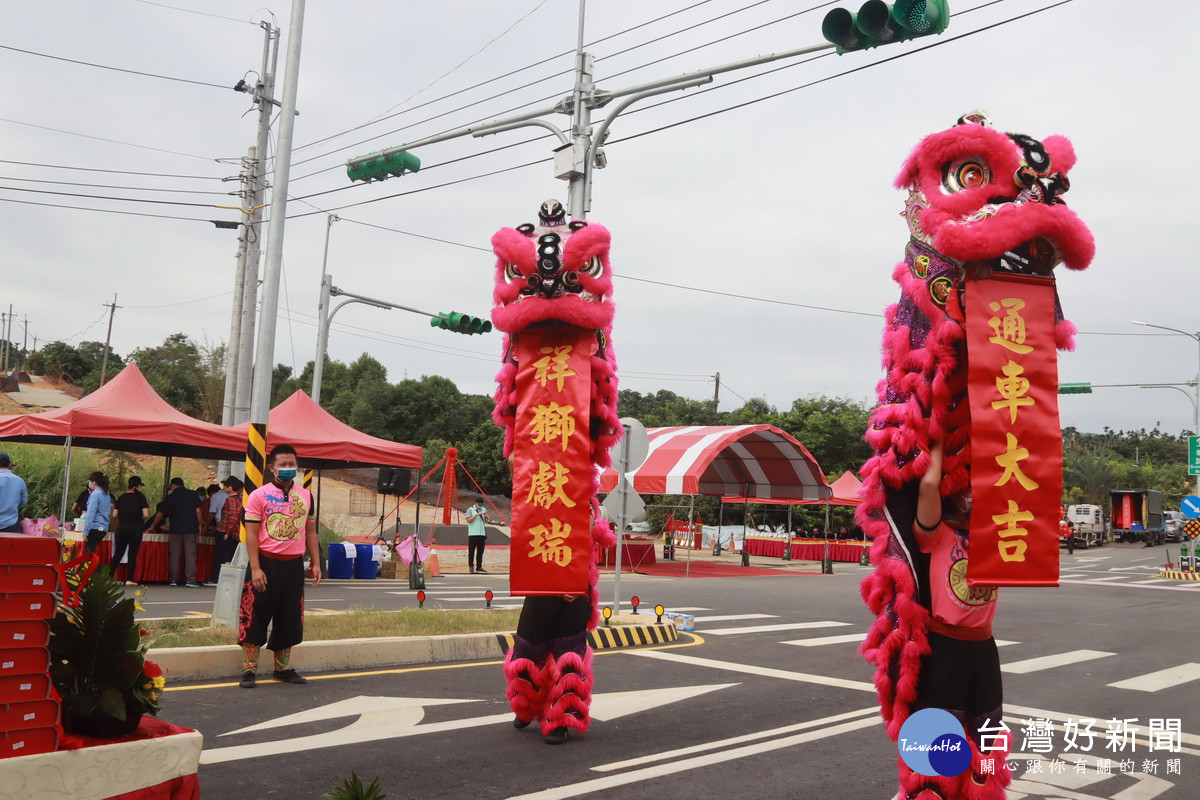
1181	576
224	661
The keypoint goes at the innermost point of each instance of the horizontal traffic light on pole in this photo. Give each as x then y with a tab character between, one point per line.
379	167
1074	388
460	323
879	23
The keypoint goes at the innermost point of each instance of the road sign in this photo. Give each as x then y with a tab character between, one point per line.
1194	455
1190	506
638	442
635	506
1191	528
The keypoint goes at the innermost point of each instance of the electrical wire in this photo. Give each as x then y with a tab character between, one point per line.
103	210
111	186
416	235
114	69
113	171
108	197
192	11
102	139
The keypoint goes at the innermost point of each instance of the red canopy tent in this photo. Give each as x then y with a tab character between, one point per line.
845	493
325	442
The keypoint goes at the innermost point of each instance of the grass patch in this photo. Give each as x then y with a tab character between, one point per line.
356	623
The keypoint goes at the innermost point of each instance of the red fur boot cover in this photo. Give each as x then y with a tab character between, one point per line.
528	679
570	698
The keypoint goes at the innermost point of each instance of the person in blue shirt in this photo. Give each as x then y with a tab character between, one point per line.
99	511
476	537
13	496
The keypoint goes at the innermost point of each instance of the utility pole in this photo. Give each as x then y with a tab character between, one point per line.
4	344
264	350
112	309
25	342
322	320
717	391
239	355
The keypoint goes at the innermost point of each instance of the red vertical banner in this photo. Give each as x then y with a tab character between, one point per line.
553	479
1016	438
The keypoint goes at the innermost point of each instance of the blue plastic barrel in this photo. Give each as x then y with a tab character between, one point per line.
364	565
340	564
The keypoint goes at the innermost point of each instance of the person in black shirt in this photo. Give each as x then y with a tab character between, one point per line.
132	510
183	520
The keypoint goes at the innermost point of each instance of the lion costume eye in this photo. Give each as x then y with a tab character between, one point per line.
969	174
511	273
593	267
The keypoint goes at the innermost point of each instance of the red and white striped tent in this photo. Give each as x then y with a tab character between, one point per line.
754	461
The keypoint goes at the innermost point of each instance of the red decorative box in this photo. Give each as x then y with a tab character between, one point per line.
16	548
33	714
24	633
24	661
29	742
28	578
21	688
22	605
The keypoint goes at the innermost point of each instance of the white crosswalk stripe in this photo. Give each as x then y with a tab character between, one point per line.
820	641
1050	662
1163	679
784	626
732	617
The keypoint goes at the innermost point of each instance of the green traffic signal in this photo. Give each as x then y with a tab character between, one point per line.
1074	388
878	23
460	323
378	167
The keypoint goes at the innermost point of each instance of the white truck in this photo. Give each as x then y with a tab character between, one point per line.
1088	522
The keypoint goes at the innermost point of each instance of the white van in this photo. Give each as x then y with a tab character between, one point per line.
1088	521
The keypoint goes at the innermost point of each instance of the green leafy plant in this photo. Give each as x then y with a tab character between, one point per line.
97	654
352	788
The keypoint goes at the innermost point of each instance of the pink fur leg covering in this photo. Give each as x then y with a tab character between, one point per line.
983	781
528	680
570	698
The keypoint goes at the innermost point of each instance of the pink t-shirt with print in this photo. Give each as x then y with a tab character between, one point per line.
283	518
954	602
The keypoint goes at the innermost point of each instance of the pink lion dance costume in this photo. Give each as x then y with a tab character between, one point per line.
980	201
553	280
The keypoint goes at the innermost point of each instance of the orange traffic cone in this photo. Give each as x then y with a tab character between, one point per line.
435	570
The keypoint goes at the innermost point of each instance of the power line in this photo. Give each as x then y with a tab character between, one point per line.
112	171
102	139
201	13
103	210
114	69
111	186
108	197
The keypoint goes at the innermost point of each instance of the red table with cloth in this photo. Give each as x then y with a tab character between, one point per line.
158	761
806	549
634	553
152	555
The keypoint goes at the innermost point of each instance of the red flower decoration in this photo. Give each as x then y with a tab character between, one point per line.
151	670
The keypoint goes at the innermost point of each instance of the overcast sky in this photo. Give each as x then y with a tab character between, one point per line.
786	201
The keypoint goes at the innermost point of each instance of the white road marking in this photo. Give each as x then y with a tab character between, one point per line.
1049	662
783	626
750	669
696	762
1163	679
1155	580
1155	587
732	617
821	641
668	755
1105	578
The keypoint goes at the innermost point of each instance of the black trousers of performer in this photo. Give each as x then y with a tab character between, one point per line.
475	552
544	619
126	539
281	604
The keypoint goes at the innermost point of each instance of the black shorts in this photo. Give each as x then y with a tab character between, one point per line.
281	604
961	676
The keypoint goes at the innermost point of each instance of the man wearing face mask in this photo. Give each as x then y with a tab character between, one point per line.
280	527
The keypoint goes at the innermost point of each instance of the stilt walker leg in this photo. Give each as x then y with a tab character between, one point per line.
528	681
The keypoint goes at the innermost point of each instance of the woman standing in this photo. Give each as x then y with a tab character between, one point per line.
99	511
132	511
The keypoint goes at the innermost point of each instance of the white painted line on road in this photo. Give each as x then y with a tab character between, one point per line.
1163	679
1155	587
732	617
1050	662
1155	580
696	762
821	641
750	669
1147	558
668	755
1071	575
1106	578
783	626
1004	643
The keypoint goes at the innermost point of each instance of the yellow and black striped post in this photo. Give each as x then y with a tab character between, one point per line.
256	464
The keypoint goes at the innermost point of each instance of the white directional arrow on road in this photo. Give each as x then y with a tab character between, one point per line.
397	717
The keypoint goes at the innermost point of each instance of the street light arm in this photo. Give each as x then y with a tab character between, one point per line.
371	301
1195	335
488	130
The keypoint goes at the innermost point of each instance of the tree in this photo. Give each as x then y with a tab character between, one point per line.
832	428
61	361
176	372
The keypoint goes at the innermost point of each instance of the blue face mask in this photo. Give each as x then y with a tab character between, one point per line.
286	474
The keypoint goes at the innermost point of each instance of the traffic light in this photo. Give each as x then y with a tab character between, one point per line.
379	167
879	23
1074	388
460	323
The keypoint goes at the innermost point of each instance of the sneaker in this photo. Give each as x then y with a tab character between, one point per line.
131	583
247	681
471	571
520	724
558	735
481	571
288	676
174	583
194	585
